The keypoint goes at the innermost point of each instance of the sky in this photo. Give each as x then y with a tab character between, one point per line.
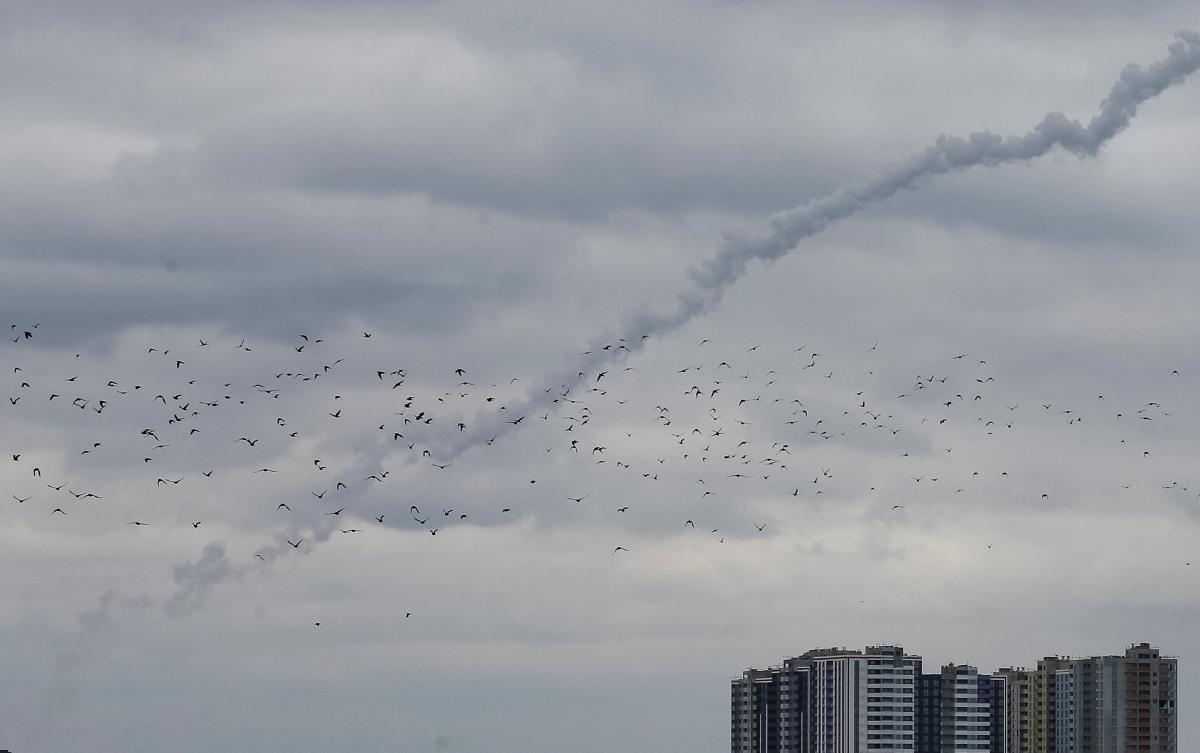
959	416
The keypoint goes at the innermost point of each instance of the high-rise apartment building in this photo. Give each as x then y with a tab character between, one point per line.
772	709
929	714
1098	704
1042	705
755	718
865	700
797	713
1005	725
877	699
966	710
1015	689
1066	714
960	710
1134	703
828	701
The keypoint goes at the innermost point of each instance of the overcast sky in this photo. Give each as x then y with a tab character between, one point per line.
499	188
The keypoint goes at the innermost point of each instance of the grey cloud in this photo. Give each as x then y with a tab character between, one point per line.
299	175
947	154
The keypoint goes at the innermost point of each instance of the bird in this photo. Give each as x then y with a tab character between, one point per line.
710	428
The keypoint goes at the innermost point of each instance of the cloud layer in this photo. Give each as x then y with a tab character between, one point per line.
500	191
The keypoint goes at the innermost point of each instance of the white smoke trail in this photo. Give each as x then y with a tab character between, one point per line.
947	154
786	229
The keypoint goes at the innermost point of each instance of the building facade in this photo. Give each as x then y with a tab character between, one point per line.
828	701
755	712
865	700
966	710
772	709
1136	702
796	703
929	714
877	700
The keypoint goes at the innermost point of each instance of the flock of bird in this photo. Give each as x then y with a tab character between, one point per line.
734	423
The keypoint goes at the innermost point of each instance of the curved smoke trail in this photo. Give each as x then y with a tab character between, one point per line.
947	154
709	281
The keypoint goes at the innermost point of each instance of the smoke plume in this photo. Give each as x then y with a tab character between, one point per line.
708	282
785	230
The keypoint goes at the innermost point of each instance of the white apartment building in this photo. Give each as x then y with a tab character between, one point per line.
865	700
